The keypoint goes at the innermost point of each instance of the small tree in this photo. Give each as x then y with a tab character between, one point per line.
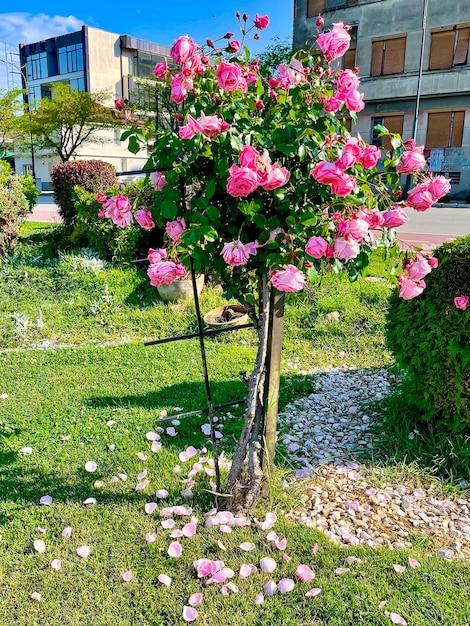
71	118
278	52
10	106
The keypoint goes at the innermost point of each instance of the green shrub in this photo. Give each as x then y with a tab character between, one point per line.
29	189
109	241
13	206
92	176
430	339
6	171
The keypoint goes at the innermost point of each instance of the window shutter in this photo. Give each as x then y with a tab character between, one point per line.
394	124
349	59
442	50
376	66
352	2
438	130
315	7
461	49
457	129
394	61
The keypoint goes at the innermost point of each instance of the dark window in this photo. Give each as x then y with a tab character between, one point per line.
315	7
71	59
46	91
393	123
36	65
445	130
388	56
144	63
349	58
449	48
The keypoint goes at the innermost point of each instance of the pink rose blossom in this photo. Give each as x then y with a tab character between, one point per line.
165	273
332	105
242	181
261	21
394	218
354	100
370	157
326	173
418	269
118	104
289	278
410	289
277	177
347	81
182	50
412	161
335	43
461	302
420	198
158	180
101	197
118	209
358	228
235	253
160	70
178	91
144	218
234	46
212	125
155	256
192	127
438	187
175	229
343	186
346	247
352	145
230	77
317	247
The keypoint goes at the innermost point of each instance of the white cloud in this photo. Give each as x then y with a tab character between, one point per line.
16	28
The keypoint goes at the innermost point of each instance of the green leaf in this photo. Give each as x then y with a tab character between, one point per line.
169	209
134	145
309	219
212	213
210	189
395	140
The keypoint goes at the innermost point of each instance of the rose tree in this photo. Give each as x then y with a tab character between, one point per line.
264	186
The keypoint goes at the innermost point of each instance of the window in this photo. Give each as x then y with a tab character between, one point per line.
36	66
77	83
34	96
449	48
445	130
388	56
46	91
315	7
393	123
351	2
349	58
71	59
453	177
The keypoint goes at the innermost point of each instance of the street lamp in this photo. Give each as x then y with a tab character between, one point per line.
24	75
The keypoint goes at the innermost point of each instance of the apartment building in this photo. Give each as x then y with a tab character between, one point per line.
415	72
91	60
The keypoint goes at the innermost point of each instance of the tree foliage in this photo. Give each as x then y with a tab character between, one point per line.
10	106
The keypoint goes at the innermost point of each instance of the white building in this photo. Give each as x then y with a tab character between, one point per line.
89	60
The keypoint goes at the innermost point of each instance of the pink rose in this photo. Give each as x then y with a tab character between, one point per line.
358	228
326	173
178	92
101	197
211	125
261	21
347	159
438	187
420	198
370	157
347	81
242	181
144	218
352	145
418	269
230	77
346	247
160	70
343	186
155	256
289	278
335	43
461	302
157	180
192	127
409	289
101	213
248	157
354	100
118	104
332	105
182	50
234	46
165	273
412	161
317	247
235	253
176	228
118	209
394	218
277	177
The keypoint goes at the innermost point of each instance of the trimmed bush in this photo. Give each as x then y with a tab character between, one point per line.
430	338
92	176
109	241
29	189
13	206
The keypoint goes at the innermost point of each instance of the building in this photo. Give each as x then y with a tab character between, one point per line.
408	52
89	60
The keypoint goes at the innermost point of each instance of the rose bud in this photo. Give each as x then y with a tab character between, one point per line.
319	21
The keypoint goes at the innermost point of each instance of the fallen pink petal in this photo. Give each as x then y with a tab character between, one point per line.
285	585
267	565
270	588
90	466
67	532
175	549
259	599
150	537
161	494
127	576
168	524
83	551
26	450
36	596
164	580
89	501
339	571
39	545
150	507
245	571
189	614
195	599
56	564
142	456
304	573
396	618
142	475
189	529
399	568
46	500
352	559
413	562
312	593
151	436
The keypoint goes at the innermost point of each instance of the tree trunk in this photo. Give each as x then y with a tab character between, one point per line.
246	476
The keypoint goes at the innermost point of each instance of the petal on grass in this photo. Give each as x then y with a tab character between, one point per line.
56	564
150	507
270	588
267	565
164	580
83	551
67	532
246	546
161	494
46	500
127	576
175	549
91	466
36	596
189	614
304	573
142	456
195	599
399	568
39	545
89	501
168	523
26	450
339	571
259	599
413	562
286	585
150	537
311	593
396	618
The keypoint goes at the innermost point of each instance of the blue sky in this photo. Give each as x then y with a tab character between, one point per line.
160	22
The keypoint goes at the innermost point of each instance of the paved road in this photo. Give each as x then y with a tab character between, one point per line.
428	229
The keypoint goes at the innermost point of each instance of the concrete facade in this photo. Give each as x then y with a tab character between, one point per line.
99	61
442	90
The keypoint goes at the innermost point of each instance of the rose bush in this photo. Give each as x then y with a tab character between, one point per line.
269	184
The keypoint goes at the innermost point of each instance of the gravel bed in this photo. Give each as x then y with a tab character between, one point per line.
328	434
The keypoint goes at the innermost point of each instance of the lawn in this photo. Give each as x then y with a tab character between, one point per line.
94	393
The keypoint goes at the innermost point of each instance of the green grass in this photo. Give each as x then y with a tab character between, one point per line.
73	391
